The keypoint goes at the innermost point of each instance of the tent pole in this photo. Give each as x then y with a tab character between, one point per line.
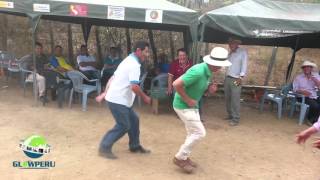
185	41
192	48
34	23
290	66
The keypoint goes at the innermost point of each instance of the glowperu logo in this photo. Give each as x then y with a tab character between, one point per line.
34	147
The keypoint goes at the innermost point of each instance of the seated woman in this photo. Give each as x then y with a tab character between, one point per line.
111	63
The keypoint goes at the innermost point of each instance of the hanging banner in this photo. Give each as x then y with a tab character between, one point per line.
41	7
116	13
78	10
6	4
154	16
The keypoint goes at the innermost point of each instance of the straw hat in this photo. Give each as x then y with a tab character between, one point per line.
308	63
217	57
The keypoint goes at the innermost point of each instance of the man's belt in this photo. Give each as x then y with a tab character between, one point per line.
232	77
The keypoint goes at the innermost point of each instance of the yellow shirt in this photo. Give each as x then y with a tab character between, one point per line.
62	63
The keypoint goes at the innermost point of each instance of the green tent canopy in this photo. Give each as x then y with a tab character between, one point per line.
267	23
139	14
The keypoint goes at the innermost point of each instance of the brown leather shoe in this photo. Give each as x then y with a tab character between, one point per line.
183	164
193	164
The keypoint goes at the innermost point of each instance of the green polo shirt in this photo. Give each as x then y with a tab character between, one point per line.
196	81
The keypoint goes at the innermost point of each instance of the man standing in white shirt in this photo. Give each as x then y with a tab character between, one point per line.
232	85
120	93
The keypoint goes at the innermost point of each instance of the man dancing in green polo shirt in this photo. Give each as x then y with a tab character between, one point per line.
190	87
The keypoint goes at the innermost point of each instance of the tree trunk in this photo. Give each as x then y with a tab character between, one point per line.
51	36
172	51
4	34
98	42
128	40
153	47
111	33
70	46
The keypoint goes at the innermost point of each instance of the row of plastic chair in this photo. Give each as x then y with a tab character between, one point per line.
77	78
286	97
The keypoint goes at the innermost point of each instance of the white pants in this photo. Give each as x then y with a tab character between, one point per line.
41	83
195	131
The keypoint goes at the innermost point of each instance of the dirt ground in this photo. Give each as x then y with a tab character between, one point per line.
260	148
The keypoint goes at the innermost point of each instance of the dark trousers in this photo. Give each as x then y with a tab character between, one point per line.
51	81
105	78
314	109
90	75
127	121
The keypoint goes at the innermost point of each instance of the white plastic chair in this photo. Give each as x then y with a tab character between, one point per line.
23	64
294	104
277	97
77	79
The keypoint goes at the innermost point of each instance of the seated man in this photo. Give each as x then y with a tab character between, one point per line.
307	84
87	63
41	65
58	62
111	63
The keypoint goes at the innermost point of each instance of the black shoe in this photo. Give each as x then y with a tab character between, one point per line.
107	153
44	100
140	149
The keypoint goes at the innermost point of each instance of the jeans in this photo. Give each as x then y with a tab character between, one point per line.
195	131
105	78
127	121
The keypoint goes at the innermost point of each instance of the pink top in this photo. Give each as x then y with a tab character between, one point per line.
317	124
